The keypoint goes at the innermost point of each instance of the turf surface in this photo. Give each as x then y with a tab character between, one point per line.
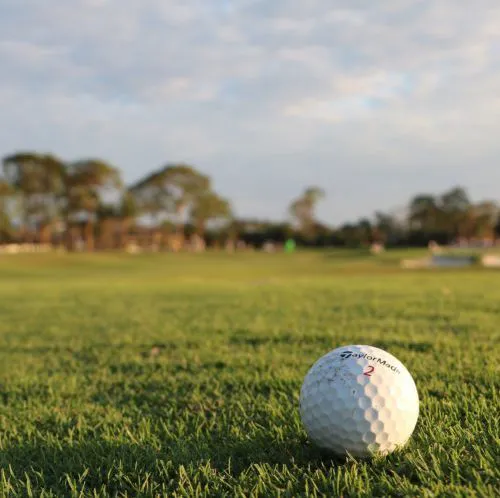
179	375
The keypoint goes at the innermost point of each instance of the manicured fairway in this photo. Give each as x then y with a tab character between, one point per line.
179	375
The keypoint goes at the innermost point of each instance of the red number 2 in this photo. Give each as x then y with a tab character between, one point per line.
369	371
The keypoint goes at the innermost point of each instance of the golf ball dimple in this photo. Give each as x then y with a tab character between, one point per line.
359	400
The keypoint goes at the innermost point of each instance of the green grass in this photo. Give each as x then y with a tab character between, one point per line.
179	375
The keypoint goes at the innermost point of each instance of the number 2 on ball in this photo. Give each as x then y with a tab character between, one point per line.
369	371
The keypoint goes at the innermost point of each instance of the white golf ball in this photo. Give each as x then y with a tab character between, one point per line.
359	400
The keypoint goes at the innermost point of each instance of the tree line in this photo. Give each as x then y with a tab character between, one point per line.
85	203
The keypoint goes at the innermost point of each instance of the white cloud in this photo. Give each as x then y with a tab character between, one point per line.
281	94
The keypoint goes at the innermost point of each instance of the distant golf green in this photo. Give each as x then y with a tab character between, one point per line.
179	374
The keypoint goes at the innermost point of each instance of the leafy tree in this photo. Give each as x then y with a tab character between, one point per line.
187	186
209	207
39	180
455	206
385	228
455	200
152	199
303	208
87	181
424	213
170	192
152	196
451	215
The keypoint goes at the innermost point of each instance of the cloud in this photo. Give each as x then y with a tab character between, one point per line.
267	97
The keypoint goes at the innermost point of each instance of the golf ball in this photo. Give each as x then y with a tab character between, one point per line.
359	400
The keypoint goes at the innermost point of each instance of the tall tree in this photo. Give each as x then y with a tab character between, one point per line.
153	200
455	200
186	185
152	197
39	180
385	227
87	182
209	207
170	192
455	206
424	213
303	209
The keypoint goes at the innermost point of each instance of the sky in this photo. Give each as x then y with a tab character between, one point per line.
373	101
